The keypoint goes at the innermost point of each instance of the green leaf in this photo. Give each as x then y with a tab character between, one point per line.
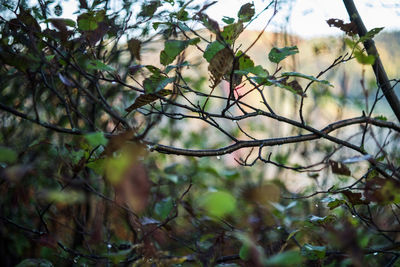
246	12
212	49
218	204
371	34
156	83
276	55
308	77
231	32
313	252
364	59
322	220
149	8
96	139
90	21
172	48
7	155
244	252
34	263
99	65
245	61
287	258
98	166
64	197
171	67
381	117
292	234
163	208
228	20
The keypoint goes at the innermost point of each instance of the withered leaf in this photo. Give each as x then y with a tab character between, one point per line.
296	87
355	198
339	168
220	65
349	28
145	99
134	46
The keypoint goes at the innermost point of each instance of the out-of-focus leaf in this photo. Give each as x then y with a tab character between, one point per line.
246	12
218	204
276	55
134	46
97	166
64	197
65	80
99	65
364	59
220	65
322	220
149	8
339	168
7	155
313	252
96	139
163	208
286	258
90	21
355	198
34	263
244	252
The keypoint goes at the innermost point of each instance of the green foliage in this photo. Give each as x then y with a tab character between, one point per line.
276	55
212	49
96	139
218	204
7	155
173	48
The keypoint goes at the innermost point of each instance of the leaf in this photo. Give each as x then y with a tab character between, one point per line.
163	208
276	55
96	139
354	198
339	168
231	32
156	83
370	34
322	220
149	8
286	258
246	12
212	49
244	252
218	204
245	61
364	59
7	155
65	80
134	46
220	65
313	252
228	20
145	99
99	65
90	21
381	117
308	77
171	67
349	28
172	48
64	197
34	263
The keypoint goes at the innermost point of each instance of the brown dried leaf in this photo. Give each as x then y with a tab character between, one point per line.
349	28
134	46
145	99
94	36
296	87
354	198
220	65
339	168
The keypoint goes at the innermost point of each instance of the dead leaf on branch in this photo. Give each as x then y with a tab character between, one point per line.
349	28
339	168
134	46
220	65
145	99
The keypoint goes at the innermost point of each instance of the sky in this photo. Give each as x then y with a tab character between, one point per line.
308	17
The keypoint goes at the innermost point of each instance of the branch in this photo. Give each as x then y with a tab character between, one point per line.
379	71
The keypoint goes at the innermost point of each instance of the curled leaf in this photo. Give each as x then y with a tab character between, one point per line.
349	28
